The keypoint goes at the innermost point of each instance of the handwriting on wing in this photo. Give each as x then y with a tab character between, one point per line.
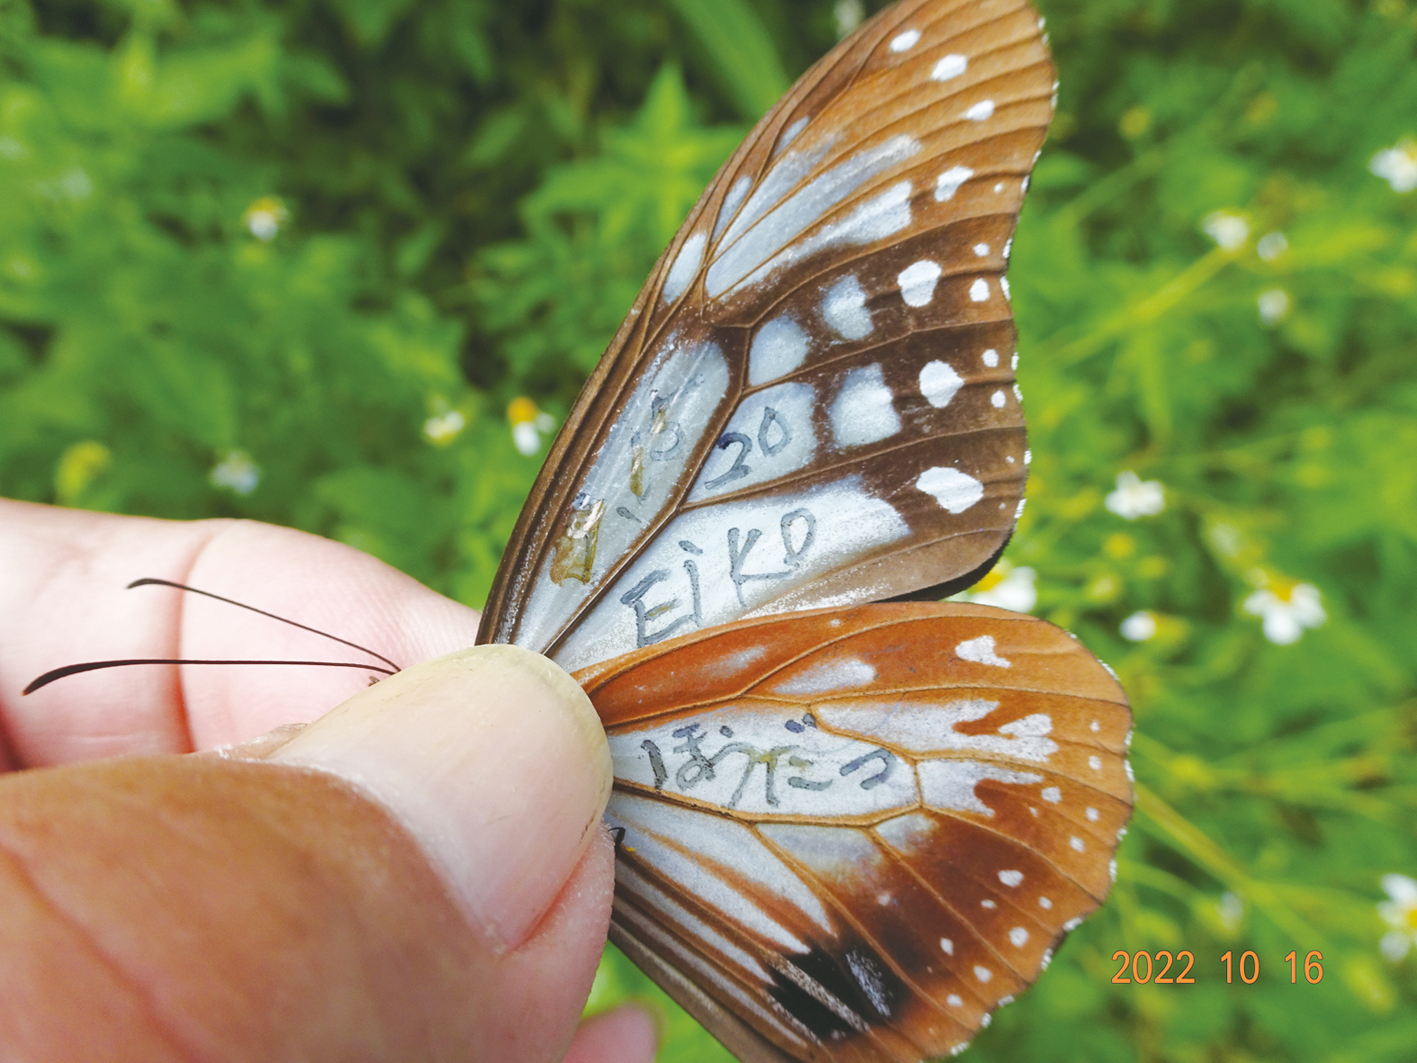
764	762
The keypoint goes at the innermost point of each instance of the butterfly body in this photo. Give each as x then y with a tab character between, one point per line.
846	831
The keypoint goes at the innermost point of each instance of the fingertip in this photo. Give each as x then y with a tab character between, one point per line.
627	1034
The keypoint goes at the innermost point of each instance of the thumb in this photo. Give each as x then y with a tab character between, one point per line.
493	759
437	888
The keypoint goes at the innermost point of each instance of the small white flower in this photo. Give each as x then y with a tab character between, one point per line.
1135	497
1227	540
1140	626
1271	245
529	424
1397	165
1274	306
1287	610
1228	230
75	184
1006	587
264	217
849	14
236	472
442	427
1231	910
1400	913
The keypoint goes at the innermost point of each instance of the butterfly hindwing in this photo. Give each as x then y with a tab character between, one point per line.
859	831
812	401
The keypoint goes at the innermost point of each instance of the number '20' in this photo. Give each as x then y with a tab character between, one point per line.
1135	963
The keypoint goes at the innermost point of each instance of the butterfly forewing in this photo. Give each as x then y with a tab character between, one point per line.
812	401
856	832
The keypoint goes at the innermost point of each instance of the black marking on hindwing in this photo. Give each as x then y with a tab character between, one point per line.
835	996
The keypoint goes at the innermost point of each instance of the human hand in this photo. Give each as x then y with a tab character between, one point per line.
420	874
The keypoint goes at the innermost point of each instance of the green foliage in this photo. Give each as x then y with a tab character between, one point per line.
292	261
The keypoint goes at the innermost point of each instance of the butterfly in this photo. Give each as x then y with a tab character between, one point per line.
850	823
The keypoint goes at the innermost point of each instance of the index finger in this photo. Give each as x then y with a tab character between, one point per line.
62	601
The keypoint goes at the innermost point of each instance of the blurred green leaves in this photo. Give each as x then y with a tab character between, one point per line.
552	293
746	58
292	262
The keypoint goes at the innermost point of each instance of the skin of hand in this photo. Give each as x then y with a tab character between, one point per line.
415	871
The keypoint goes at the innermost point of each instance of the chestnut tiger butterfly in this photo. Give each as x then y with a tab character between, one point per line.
845	831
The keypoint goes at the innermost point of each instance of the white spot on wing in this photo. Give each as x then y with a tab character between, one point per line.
980	111
1010	878
1018	936
843	853
979	290
1092	815
753	251
1052	794
926	726
951	66
1076	843
948	183
731	202
1094	763
997	400
948	946
981	650
701	931
980	250
917	282
776	422
903	42
983	973
954	1001
939	383
658	583
990	358
948	785
844	309
848	674
862	411
655	824
779	347
952	489
686	264
790	133
1044	903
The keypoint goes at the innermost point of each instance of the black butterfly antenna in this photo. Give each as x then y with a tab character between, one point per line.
94	666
